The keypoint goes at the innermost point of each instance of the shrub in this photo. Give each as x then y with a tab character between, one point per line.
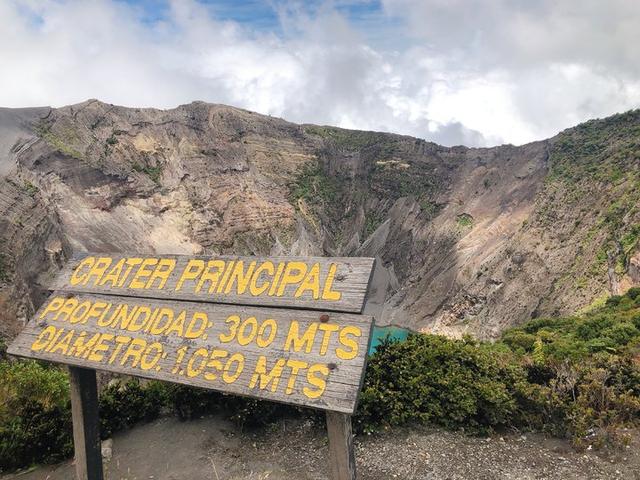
35	411
35	435
613	301
4	269
621	333
464	220
35	417
191	402
633	293
454	383
519	341
30	381
608	400
123	404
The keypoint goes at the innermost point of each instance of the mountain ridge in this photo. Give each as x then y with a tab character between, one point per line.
473	240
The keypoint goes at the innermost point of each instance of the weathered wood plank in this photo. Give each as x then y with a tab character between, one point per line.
86	424
337	284
300	357
341	454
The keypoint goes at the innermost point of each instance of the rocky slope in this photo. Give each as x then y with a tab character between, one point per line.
471	240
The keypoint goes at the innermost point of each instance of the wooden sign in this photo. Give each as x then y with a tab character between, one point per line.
338	284
301	357
210	322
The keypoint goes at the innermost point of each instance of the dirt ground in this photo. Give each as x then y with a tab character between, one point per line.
213	449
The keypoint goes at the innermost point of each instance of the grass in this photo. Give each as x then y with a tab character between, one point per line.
4	269
154	173
314	186
61	142
31	189
373	220
355	140
464	220
594	175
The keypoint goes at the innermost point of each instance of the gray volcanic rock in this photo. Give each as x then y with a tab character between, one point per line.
16	132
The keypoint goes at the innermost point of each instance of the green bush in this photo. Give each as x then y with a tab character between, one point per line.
191	402
123	404
35	418
4	269
35	435
519	341
621	333
607	400
35	411
30	381
633	293
571	376
433	379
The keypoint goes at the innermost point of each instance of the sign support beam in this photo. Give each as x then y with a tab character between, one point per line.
341	455
86	424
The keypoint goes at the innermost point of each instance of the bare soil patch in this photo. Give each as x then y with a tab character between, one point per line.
213	449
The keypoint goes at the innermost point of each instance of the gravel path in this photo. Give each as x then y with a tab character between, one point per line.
213	449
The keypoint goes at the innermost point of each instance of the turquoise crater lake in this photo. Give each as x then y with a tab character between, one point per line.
392	332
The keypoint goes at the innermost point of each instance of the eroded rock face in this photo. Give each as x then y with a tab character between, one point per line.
471	240
634	269
33	248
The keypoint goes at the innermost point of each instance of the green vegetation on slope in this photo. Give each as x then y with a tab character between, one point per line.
597	149
394	179
315	186
575	377
592	193
464	220
4	269
355	140
326	197
334	198
63	141
612	329
154	173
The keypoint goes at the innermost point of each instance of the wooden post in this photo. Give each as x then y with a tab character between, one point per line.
341	456
86	424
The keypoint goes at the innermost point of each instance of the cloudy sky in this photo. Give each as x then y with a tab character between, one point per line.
474	72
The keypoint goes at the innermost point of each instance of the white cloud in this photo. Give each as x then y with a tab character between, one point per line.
526	69
479	72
